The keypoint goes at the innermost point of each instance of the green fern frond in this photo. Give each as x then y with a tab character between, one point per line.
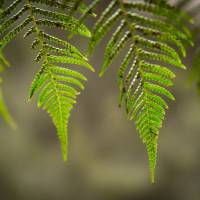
144	73
57	85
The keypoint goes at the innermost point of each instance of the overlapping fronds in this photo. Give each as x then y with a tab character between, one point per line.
154	35
56	84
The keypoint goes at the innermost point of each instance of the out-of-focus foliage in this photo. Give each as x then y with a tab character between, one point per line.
193	11
3	108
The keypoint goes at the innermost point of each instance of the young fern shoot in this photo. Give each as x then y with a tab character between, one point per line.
153	32
57	86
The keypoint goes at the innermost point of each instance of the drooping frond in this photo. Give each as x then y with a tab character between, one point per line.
56	84
154	33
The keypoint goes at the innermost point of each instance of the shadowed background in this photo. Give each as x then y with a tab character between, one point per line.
107	160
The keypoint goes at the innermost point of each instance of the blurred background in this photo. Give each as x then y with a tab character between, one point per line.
107	160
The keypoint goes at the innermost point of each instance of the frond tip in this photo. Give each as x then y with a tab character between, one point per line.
57	89
152	154
144	73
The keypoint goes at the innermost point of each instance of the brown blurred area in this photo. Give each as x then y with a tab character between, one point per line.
107	160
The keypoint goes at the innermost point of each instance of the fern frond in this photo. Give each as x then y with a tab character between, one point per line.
56	84
144	73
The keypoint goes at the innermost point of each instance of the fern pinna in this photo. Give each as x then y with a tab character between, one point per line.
57	85
152	32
